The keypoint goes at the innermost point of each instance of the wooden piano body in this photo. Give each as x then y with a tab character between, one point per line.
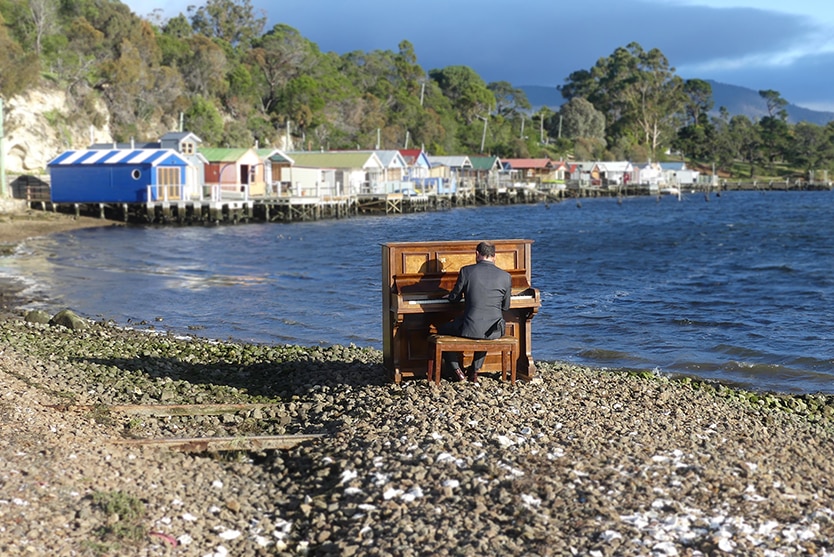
415	278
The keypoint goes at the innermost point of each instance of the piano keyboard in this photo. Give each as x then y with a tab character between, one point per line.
445	301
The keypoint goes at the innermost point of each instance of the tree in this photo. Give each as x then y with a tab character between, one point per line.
637	91
410	76
173	42
205	120
698	101
509	101
75	62
43	14
178	27
723	150
17	69
775	104
579	119
654	96
695	137
204	69
300	100
279	56
745	136
127	81
467	91
232	21
773	128
241	98
811	147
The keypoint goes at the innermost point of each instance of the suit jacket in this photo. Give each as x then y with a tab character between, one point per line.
486	290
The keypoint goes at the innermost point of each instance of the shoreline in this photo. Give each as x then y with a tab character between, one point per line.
17	225
26	294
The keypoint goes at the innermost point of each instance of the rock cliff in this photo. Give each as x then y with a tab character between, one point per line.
41	124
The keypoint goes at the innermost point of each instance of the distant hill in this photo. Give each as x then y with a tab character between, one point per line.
737	100
740	100
540	95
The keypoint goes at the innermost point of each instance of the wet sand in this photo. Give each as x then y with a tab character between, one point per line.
19	225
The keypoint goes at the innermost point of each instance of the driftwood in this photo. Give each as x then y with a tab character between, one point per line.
216	444
169	409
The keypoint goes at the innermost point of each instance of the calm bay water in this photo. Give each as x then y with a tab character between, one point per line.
738	288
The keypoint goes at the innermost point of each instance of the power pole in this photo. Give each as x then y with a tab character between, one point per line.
3	187
483	137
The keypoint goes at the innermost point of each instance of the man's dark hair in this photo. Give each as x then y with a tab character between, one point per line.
486	249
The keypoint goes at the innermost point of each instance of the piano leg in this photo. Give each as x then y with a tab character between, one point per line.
521	329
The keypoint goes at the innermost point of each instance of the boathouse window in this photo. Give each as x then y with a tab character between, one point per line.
136	174
188	148
168	176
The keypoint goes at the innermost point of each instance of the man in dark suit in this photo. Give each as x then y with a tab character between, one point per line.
486	291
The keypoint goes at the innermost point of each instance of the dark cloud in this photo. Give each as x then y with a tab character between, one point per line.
541	43
807	82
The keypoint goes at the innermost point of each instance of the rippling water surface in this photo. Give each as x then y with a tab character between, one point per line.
738	288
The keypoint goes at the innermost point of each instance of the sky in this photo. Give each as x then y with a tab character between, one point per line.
783	45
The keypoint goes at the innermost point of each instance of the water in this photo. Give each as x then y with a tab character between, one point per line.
737	289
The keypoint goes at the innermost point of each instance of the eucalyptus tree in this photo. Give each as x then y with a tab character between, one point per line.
811	147
408	114
232	21
16	66
510	102
697	101
579	119
466	90
723	149
437	127
696	136
655	97
773	128
31	22
510	134
638	92
471	101
204	67
278	56
204	119
745	136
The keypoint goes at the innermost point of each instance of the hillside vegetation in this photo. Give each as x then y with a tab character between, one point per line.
223	75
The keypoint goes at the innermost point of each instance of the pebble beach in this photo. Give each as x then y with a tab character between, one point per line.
579	461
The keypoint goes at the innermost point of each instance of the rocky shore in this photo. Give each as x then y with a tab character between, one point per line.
578	462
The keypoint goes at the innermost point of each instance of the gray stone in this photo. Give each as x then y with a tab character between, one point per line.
69	319
38	316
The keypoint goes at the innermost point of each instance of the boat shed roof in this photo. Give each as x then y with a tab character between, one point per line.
333	159
485	163
91	157
224	154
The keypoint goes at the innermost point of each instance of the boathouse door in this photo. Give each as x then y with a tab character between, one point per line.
168	182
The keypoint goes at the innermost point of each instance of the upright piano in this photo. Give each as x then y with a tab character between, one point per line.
415	278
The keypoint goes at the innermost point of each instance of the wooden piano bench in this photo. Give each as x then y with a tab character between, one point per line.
438	344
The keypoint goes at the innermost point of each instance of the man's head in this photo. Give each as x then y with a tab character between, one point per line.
485	250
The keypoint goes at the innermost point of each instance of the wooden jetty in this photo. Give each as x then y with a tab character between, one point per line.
225	207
